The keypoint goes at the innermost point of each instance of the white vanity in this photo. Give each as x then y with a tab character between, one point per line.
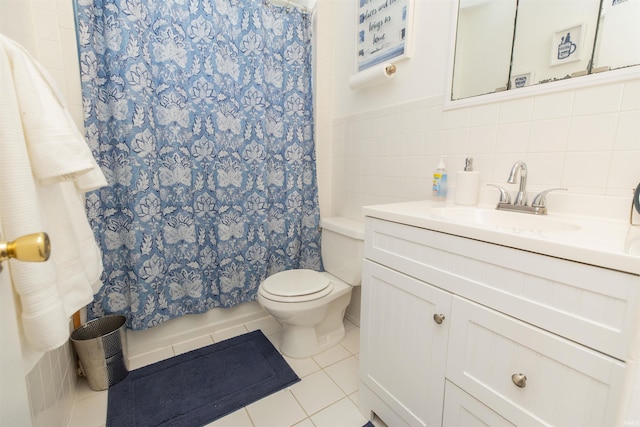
471	317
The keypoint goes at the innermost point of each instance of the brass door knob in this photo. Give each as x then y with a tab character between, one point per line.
34	247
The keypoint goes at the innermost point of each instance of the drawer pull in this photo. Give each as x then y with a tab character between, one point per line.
438	318
520	380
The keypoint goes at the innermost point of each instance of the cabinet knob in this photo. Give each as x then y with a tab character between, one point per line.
438	318
520	380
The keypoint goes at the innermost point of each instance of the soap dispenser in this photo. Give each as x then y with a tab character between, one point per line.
439	189
467	184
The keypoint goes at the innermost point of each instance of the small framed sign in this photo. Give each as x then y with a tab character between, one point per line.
566	45
383	31
519	80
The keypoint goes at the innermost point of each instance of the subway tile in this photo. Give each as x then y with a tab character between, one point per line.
46	25
586	170
482	139
513	138
516	111
631	96
598	99
50	54
549	135
625	172
484	115
588	133
457	119
628	131
552	106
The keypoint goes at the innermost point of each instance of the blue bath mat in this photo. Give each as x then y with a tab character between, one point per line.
198	387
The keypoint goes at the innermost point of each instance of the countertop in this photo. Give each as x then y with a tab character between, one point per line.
603	242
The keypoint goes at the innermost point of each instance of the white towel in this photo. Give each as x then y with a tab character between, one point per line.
45	167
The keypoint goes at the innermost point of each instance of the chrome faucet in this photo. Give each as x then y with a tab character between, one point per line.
538	206
521	196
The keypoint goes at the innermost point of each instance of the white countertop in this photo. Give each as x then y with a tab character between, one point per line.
602	242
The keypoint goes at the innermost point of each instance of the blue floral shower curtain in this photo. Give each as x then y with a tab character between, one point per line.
200	115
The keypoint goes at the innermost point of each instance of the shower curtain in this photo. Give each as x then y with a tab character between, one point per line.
200	115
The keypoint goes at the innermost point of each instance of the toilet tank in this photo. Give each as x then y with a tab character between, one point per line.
342	248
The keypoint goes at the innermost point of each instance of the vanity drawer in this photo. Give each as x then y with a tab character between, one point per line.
566	384
587	304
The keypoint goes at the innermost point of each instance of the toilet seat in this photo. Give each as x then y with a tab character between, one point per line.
295	286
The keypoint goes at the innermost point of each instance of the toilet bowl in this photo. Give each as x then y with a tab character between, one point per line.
310	305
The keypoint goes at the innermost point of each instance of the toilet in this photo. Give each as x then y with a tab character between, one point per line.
309	304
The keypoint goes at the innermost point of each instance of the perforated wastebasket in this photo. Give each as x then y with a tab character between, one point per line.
101	345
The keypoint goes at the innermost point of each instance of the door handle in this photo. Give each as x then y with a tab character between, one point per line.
34	247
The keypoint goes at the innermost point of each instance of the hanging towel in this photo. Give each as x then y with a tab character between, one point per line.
45	168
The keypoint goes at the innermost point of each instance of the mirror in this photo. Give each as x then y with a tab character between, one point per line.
504	45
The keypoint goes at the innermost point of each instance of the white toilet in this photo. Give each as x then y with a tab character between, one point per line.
311	305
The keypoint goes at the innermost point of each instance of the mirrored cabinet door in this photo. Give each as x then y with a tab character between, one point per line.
483	47
553	39
504	45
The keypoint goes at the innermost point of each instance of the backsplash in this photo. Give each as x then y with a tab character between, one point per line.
587	140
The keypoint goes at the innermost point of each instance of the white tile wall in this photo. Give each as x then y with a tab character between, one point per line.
587	140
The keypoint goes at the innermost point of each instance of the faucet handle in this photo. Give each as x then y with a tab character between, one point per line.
505	197
540	200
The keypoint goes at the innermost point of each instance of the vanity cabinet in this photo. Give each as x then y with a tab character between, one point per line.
460	332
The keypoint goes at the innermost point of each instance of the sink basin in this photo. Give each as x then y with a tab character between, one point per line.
502	220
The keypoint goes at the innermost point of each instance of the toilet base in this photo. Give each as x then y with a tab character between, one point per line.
300	342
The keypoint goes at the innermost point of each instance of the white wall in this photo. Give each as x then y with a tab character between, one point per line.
386	140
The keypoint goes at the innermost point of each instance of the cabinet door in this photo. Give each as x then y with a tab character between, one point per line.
462	410
566	384
403	332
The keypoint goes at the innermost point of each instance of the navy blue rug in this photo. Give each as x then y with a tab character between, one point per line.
198	387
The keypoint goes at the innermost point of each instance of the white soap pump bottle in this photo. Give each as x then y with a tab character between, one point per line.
439	189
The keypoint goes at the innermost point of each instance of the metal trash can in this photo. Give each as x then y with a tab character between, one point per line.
101	345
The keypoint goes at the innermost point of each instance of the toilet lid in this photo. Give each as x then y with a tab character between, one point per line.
293	283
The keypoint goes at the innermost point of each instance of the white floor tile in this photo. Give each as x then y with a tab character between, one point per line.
316	392
341	414
302	367
90	412
305	423
280	409
351	341
345	374
239	418
331	356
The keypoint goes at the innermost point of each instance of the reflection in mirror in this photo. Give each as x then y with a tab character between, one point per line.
553	39
483	46
511	44
618	42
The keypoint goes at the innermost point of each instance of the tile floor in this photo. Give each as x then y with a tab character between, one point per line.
327	396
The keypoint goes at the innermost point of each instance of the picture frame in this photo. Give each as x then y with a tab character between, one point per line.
383	31
566	44
522	79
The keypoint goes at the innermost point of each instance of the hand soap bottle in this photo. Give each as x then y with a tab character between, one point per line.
467	184
439	189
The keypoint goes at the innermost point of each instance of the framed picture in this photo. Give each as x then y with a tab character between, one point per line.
384	27
519	80
566	44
